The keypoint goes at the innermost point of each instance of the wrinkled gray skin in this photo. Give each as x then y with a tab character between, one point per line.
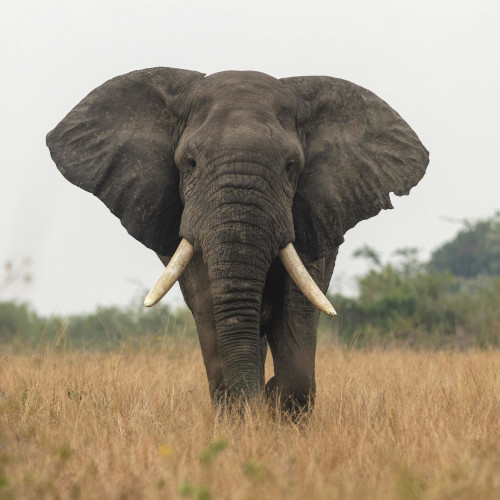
241	164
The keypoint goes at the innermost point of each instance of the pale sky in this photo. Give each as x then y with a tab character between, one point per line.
435	62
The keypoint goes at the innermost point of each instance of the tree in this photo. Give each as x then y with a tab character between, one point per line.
474	251
369	253
14	273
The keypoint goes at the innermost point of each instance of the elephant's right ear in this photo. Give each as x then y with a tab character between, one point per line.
119	142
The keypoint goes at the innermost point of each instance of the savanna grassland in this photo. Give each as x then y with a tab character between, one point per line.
388	424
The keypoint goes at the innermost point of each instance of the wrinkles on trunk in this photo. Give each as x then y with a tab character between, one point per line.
238	256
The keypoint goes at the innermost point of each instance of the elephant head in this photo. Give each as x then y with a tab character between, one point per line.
237	165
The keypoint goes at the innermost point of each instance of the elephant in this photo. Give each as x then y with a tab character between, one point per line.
244	185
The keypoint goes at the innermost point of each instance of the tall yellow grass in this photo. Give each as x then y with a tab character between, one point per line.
387	425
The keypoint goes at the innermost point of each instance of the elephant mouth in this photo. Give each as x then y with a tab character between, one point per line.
288	256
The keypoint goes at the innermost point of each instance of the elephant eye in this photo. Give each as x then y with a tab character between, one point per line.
191	161
289	165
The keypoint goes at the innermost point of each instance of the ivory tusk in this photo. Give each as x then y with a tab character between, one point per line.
303	279
171	273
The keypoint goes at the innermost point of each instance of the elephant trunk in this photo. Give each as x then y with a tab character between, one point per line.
238	256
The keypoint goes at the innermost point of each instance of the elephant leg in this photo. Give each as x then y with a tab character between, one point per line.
195	288
293	341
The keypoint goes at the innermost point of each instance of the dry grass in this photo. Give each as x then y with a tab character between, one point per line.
392	424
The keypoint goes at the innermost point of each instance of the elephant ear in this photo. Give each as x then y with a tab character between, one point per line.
118	143
358	150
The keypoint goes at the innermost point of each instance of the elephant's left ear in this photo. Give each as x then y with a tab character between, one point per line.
119	142
358	150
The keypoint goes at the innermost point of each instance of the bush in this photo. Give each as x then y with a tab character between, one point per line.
417	306
107	328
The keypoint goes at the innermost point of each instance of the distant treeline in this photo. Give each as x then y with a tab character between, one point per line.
451	301
106	328
417	307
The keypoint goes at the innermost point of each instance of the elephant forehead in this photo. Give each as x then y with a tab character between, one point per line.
228	78
244	90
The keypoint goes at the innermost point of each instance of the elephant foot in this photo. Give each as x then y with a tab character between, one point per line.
294	403
218	394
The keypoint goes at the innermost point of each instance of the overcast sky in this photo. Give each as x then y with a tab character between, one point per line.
435	62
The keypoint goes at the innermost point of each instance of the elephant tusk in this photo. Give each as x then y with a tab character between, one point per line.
303	279
171	273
